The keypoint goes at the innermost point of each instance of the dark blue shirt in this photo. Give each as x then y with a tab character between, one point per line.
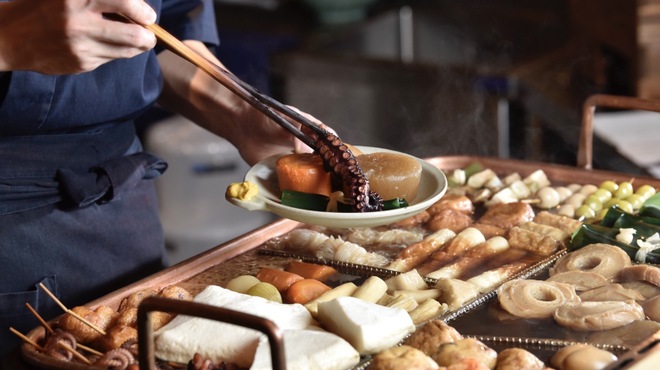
50	125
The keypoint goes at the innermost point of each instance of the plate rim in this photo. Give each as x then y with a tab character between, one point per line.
264	170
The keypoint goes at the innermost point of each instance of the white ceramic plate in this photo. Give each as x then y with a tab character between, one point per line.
432	187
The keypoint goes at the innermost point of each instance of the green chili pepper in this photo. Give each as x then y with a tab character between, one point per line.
591	233
651	207
642	229
615	212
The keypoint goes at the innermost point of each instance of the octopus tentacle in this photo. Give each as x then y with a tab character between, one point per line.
53	349
339	159
119	358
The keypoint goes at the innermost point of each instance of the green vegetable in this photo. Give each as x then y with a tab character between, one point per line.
651	207
473	168
395	203
309	201
614	212
643	229
591	233
319	202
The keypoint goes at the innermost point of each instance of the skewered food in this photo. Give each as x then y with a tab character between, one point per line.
402	357
366	236
604	259
490	279
460	244
53	346
369	327
119	358
102	317
595	316
534	298
472	258
117	336
392	175
413	254
332	248
134	299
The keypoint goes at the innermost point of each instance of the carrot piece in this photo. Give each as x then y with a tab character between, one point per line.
304	291
280	278
311	270
303	172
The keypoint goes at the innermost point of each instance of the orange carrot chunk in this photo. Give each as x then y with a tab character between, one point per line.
311	270
303	172
281	279
303	291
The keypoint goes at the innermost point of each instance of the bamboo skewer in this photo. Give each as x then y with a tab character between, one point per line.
50	330
26	339
101	331
41	320
75	353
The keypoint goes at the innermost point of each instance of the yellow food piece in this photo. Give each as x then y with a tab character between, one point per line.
265	290
392	175
242	190
243	283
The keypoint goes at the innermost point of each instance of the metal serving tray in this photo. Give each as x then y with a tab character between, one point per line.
240	255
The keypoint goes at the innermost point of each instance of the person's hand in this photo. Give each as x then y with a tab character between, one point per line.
71	36
263	137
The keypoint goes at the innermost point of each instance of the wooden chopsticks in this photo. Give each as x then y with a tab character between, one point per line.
267	105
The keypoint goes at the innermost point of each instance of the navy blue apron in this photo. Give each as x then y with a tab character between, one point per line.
78	208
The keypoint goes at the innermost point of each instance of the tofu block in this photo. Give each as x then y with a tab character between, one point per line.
310	350
184	336
368	327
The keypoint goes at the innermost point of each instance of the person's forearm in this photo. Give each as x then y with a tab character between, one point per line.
198	97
